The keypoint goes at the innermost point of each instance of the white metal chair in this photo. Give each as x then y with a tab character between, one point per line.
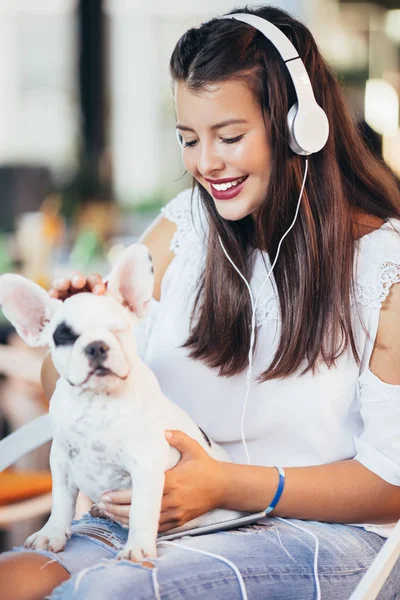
373	580
25	498
39	431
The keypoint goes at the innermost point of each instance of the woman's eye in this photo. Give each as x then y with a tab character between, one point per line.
232	140
224	140
189	144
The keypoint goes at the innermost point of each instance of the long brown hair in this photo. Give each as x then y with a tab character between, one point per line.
314	272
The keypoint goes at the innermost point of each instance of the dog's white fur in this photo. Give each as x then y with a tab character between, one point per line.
108	427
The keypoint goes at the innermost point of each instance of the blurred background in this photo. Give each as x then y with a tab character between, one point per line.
88	154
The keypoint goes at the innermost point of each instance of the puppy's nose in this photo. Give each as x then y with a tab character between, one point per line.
97	351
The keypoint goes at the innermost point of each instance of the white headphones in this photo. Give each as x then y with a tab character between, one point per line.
307	123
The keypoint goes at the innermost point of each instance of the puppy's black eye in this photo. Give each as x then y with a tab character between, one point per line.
64	335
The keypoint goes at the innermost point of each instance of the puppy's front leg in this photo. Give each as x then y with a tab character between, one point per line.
54	533
144	514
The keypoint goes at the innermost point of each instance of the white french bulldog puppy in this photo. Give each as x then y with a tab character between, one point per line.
108	411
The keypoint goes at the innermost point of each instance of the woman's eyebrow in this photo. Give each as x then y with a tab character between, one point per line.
216	126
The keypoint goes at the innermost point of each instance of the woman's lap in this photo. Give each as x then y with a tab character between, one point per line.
272	559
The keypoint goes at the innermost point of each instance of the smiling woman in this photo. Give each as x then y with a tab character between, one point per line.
313	436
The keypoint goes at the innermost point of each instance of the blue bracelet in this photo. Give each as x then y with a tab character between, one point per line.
279	491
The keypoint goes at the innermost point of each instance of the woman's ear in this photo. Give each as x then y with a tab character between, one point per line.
28	307
131	280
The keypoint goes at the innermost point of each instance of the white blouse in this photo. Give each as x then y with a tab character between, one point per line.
336	414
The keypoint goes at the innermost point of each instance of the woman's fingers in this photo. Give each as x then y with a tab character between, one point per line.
61	284
117	515
117	510
118	497
123	520
78	282
54	294
172	515
64	287
60	287
167	526
120	504
120	512
95	284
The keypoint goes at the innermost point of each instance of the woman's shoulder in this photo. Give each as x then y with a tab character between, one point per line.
188	243
186	211
377	264
175	229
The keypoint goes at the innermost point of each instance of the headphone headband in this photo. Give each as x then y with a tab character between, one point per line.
308	125
271	32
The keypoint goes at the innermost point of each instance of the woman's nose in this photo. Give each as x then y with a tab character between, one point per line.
209	160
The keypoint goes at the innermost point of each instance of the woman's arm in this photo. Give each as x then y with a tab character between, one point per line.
48	376
157	238
341	492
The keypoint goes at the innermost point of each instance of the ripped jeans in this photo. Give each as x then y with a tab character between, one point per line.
270	559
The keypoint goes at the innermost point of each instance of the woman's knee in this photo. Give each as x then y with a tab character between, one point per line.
109	579
22	576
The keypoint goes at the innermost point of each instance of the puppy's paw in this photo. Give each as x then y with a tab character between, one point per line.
47	540
138	553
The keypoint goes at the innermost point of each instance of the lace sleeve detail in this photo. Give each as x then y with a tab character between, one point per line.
178	211
189	219
374	294
190	238
378	265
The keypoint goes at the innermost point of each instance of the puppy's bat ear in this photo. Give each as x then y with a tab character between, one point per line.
28	307
131	280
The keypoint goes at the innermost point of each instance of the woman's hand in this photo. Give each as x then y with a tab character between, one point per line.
192	487
64	287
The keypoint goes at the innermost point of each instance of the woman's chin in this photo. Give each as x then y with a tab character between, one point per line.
232	212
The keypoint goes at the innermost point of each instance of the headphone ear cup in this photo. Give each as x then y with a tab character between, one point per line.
308	128
290	123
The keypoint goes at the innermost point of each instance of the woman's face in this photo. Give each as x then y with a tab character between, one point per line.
224	138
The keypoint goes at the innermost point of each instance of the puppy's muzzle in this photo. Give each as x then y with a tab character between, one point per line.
97	353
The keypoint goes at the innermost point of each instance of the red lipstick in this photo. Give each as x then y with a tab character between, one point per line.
217	181
226	194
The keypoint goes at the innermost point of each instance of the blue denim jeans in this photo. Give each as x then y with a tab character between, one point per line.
267	560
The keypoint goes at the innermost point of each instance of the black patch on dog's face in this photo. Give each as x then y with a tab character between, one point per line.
64	335
205	436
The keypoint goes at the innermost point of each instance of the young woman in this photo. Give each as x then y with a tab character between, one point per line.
324	399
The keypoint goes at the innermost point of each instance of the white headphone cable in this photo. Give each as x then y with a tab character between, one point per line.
250	368
315	566
254	307
218	557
